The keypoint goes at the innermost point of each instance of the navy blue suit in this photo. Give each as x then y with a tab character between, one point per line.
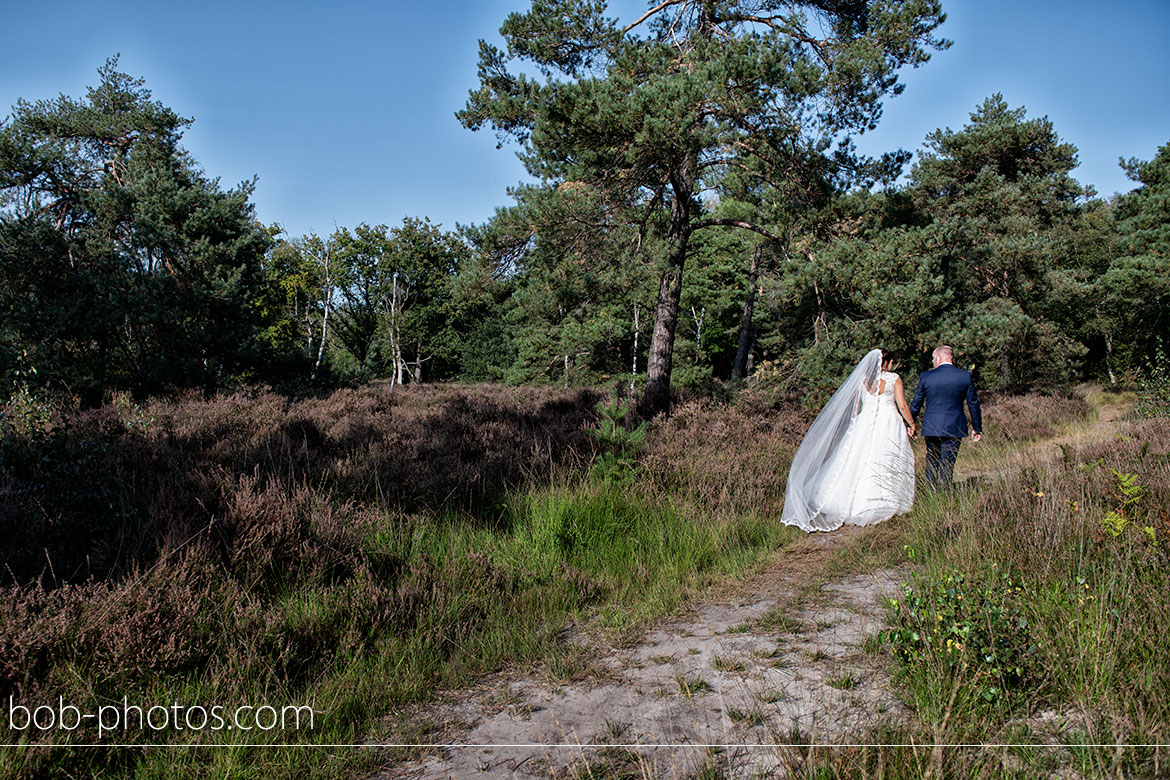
944	390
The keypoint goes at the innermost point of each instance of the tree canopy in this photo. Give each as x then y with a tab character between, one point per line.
699	211
121	264
652	113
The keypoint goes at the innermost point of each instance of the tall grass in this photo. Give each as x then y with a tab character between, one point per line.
1038	613
355	553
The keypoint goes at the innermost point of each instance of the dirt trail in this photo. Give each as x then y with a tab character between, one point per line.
743	671
1076	436
770	664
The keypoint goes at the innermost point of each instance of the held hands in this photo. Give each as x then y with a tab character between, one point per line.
911	430
975	437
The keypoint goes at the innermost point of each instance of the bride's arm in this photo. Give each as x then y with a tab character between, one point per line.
903	408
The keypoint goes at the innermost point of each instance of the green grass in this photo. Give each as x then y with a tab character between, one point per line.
727	663
491	595
689	686
750	717
845	681
1039	591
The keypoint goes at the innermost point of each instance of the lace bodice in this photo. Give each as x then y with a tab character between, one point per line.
880	394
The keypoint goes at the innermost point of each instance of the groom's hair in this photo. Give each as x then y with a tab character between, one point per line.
944	352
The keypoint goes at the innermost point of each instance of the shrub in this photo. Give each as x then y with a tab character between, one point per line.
1154	397
967	632
619	441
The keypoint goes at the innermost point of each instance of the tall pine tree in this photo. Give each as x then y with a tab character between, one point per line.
649	112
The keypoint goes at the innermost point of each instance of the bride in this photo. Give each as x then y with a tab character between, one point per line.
855	464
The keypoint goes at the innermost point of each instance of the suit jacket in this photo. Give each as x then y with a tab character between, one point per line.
944	389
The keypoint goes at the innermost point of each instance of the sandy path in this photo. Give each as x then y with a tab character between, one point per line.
771	664
744	671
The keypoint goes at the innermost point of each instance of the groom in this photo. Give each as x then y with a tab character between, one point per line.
943	389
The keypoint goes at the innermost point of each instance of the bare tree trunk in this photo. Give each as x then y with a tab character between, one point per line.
698	317
566	369
745	324
1108	354
657	396
327	267
819	322
395	333
416	374
324	334
637	332
1109	359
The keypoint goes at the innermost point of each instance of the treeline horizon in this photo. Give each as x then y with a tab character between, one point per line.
123	267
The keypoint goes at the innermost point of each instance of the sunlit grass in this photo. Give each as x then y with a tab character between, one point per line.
1021	568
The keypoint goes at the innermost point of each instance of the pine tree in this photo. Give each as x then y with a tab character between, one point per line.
648	119
121	264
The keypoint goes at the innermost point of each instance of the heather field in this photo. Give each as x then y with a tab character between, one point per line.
354	553
369	552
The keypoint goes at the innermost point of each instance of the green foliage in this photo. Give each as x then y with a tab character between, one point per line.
966	254
26	409
1128	511
573	287
1135	288
384	300
121	264
643	117
715	281
969	634
1154	398
617	461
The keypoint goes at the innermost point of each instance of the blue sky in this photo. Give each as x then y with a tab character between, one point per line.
345	111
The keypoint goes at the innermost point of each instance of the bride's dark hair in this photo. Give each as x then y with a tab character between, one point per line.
889	362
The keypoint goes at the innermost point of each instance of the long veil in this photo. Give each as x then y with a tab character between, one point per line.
810	465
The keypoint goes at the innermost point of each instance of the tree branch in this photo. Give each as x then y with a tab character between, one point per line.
704	223
650	13
787	29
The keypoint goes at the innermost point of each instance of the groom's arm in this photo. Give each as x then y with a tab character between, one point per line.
973	407
919	397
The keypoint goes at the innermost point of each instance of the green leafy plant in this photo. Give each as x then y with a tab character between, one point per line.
1128	494
26	410
969	630
1154	398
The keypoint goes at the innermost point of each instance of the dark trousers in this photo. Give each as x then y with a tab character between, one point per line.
941	452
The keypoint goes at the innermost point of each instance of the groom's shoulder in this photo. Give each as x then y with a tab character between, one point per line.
946	373
956	372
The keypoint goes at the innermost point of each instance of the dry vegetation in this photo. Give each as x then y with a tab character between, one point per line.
357	550
248	544
361	550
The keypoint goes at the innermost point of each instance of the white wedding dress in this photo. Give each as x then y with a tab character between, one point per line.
855	465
